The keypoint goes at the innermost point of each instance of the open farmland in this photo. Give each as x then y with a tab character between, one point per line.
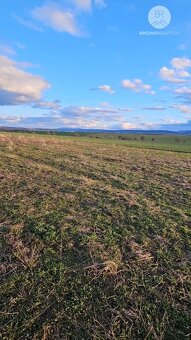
95	238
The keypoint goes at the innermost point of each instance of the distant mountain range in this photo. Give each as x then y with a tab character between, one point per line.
61	130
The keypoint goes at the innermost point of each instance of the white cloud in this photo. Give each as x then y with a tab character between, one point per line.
128	84
180	63
18	86
61	17
182	108
171	76
184	93
178	73
184	74
127	126
183	90
106	88
137	85
51	15
84	5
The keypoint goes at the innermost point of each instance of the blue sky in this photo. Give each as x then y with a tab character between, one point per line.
94	64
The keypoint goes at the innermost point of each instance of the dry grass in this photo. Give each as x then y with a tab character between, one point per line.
95	240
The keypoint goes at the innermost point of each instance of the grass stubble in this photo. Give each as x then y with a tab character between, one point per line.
95	240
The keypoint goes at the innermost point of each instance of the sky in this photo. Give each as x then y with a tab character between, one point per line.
99	64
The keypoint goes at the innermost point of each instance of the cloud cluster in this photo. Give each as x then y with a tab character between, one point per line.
182	108
51	15
178	73
183	90
179	76
60	18
103	116
137	85
181	63
94	117
174	76
102	111
184	93
18	86
84	122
